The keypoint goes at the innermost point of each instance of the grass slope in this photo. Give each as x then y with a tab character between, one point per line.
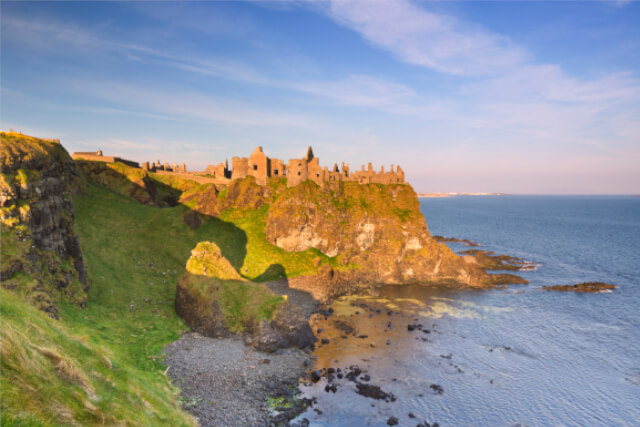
134	255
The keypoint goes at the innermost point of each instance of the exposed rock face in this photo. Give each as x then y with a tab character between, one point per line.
37	183
377	228
214	300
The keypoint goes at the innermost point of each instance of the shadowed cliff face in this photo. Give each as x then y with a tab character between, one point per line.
41	253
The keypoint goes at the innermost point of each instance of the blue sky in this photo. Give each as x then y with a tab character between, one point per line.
517	97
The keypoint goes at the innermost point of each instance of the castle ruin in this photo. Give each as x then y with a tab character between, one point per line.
262	168
297	171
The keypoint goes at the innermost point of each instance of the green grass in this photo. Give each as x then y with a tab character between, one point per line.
264	261
134	253
59	373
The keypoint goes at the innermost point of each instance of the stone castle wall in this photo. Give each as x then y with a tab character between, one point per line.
96	156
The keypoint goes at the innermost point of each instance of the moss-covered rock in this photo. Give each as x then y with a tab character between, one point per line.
214	300
207	260
238	195
41	256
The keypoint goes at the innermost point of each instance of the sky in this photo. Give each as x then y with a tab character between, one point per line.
517	97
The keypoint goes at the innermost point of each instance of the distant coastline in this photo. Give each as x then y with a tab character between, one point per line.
427	195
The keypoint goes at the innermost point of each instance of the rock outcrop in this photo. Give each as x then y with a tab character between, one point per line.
587	287
214	300
376	230
41	255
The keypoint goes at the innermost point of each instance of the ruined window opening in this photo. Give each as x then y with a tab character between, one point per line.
299	173
275	171
318	174
255	167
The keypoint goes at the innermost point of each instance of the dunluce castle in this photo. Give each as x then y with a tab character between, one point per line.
262	168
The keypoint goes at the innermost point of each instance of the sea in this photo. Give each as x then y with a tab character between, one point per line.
519	356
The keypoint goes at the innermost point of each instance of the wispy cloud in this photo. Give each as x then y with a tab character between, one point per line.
359	90
182	104
355	90
424	38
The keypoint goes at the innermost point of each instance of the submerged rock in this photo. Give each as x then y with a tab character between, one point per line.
372	391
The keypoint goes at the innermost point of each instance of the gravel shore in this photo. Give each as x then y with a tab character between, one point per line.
224	383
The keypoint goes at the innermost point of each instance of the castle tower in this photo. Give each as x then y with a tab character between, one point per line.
297	172
240	167
258	166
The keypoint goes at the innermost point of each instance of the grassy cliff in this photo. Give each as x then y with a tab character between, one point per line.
100	364
134	255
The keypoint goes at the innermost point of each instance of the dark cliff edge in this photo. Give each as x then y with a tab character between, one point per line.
41	257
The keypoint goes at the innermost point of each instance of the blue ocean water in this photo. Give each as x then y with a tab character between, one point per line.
519	355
